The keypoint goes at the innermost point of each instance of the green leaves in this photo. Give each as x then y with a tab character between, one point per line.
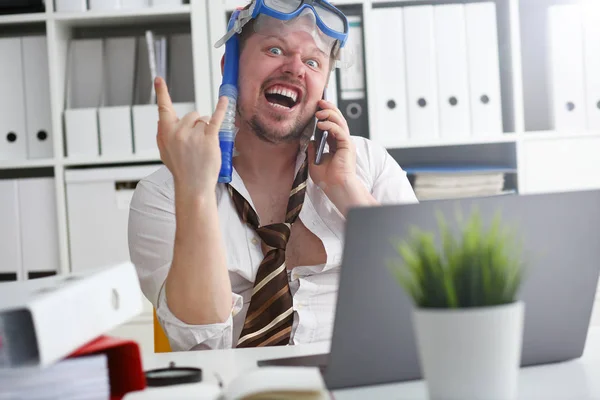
480	267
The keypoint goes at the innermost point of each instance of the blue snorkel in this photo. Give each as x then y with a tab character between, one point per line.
229	88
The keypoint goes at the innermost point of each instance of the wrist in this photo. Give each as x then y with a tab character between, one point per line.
186	199
351	193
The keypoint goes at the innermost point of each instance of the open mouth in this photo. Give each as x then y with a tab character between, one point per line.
282	97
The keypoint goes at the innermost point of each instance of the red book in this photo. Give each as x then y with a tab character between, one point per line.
126	373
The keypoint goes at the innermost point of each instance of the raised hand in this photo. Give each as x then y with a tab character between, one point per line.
189	146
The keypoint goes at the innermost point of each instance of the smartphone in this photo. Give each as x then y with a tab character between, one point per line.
320	139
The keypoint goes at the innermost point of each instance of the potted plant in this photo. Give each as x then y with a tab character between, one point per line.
467	319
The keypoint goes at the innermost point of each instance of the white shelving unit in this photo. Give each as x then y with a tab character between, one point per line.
529	143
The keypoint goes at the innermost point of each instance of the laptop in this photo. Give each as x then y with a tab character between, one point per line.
373	341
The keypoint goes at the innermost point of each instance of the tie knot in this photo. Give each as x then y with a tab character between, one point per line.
275	236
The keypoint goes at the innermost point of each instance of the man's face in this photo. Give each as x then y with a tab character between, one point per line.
281	80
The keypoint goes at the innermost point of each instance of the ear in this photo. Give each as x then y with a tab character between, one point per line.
222	64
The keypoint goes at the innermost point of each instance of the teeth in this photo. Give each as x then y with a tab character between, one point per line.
284	92
279	106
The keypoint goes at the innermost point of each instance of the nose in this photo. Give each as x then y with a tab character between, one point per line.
294	66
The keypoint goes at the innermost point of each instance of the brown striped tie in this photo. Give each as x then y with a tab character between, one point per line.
270	314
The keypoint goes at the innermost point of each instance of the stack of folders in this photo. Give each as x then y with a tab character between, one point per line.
51	333
450	182
438	73
72	379
110	108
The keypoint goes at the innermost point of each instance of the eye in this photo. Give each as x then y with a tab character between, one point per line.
276	50
313	63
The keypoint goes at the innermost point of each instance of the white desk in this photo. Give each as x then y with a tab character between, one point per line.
578	379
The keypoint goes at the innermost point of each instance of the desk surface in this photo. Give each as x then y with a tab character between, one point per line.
576	379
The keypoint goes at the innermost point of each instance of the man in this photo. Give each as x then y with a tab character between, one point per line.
256	262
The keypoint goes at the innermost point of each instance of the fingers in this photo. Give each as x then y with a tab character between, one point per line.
327	105
342	137
202	120
333	116
190	120
217	118
166	112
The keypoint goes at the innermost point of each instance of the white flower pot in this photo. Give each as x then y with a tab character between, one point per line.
470	353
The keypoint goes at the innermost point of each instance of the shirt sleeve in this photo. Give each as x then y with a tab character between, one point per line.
389	182
151	236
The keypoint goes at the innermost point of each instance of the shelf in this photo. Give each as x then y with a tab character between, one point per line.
82	162
549	135
14	19
143	15
505	138
16	164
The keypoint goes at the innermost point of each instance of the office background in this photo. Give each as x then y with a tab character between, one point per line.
471	98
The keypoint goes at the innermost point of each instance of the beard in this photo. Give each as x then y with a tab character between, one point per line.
276	136
298	131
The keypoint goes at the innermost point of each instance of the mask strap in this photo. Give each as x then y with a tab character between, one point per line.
243	18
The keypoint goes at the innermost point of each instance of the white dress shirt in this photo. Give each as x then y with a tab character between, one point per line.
313	287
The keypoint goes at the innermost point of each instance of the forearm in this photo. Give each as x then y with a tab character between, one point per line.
197	286
350	194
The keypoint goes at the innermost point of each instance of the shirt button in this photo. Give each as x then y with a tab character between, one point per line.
254	241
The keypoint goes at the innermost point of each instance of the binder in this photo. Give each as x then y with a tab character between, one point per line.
180	73
566	73
70	5
166	3
13	134
134	4
484	69
452	70
390	124
421	78
591	14
125	368
105	5
39	227
10	235
84	93
144	110
37	97
180	68
352	101
44	320
115	127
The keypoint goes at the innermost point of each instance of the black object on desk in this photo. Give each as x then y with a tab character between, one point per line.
173	376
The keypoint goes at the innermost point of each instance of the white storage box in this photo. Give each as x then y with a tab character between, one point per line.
116	138
145	123
81	127
98	211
